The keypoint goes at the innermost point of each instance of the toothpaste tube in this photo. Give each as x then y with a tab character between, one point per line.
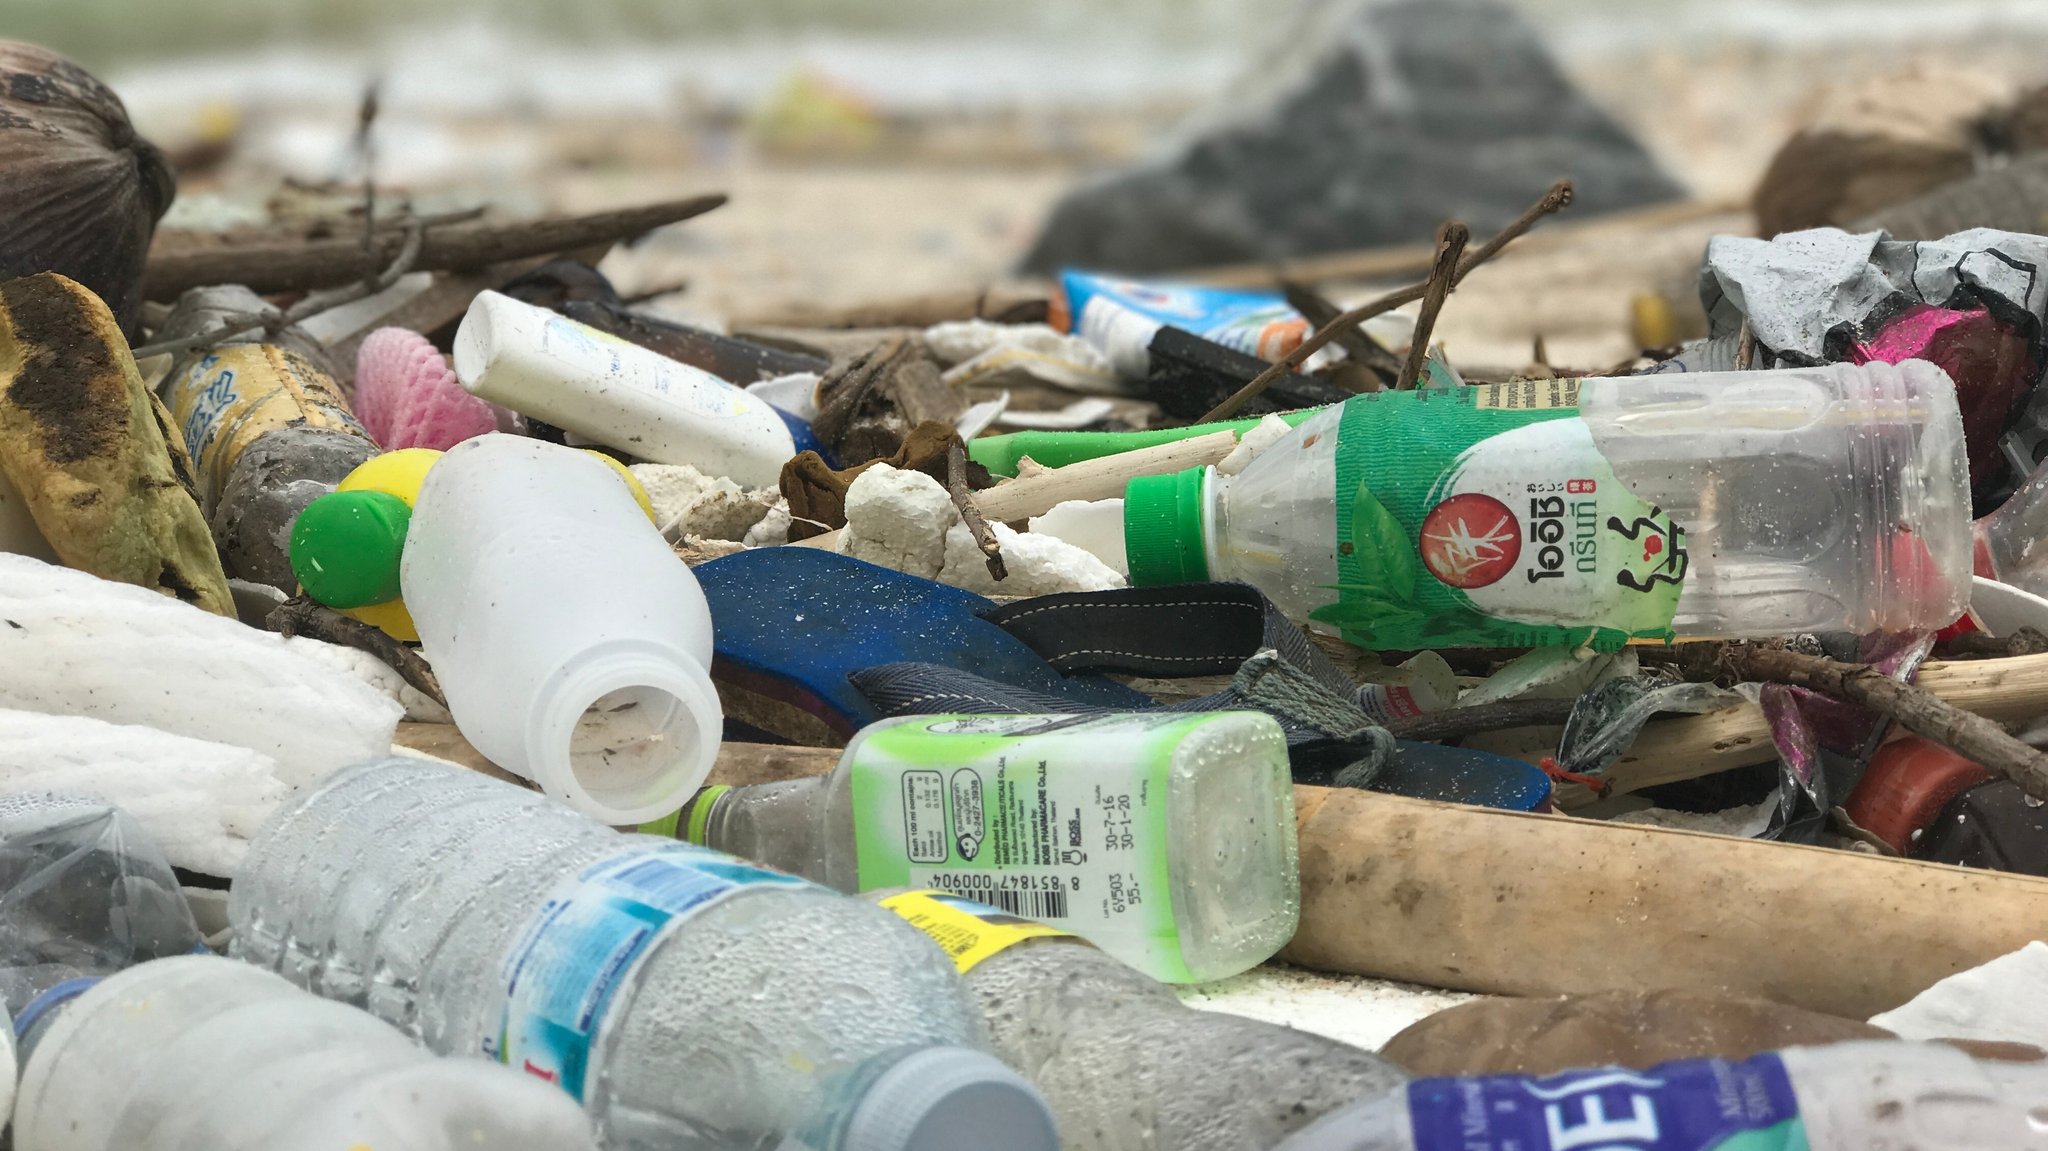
1120	317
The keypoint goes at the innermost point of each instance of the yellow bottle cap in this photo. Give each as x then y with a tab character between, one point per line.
639	493
398	473
390	617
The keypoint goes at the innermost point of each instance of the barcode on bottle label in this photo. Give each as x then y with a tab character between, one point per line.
1029	904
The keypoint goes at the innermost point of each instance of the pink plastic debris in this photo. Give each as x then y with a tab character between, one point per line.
407	396
1991	363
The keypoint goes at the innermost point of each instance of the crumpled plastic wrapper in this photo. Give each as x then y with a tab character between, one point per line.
1974	303
1810	731
1607	719
82	191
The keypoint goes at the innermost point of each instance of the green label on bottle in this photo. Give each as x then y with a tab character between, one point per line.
1060	819
1487	517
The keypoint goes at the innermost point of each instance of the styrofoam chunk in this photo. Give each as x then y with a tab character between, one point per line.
199	801
74	644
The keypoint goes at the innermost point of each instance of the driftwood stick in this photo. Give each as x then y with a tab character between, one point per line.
301	616
1558	197
1916	709
247	323
299	265
1450	244
963	498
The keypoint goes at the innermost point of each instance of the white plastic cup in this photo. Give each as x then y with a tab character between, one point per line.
617	393
572	644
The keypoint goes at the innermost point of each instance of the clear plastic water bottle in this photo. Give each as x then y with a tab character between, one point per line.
2012	543
1166	839
1738	504
1124	1064
205	1054
1864	1096
683	996
84	892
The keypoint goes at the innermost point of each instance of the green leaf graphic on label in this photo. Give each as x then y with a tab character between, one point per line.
1386	555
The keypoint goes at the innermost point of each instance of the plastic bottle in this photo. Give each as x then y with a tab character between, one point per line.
1123	1063
2011	544
205	1054
1862	1096
1165	839
684	997
1827	499
267	428
1120	317
571	642
617	393
84	892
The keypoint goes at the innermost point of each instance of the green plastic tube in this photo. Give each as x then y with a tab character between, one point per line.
999	454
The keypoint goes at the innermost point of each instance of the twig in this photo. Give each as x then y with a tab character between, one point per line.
1978	645
248	323
301	616
1916	709
366	151
963	498
1458	722
1558	197
1450	244
1356	342
1745	347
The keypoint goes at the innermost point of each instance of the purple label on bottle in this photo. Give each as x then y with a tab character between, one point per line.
1694	1105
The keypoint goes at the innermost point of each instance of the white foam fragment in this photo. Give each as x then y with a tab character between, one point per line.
1350	1009
1035	565
773	530
898	519
1094	526
2005	1000
689	503
1265	434
74	644
200	801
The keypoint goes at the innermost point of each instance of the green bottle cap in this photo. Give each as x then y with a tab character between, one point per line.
346	546
1163	538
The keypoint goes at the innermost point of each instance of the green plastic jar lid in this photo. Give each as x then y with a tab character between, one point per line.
1163	539
346	547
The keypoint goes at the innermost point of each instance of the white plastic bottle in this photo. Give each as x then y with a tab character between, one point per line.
617	393
1123	1063
1827	499
1863	1096
1165	839
684	997
201	1053
571	642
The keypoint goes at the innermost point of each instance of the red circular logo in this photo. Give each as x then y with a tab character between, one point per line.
1470	540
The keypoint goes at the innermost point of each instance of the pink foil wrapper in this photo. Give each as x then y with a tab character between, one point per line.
1989	361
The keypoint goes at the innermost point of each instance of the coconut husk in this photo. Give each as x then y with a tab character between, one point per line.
82	191
90	448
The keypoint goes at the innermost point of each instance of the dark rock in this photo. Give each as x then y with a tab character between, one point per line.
1411	113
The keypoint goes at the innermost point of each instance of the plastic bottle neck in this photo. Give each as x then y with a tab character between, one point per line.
769	823
624	731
